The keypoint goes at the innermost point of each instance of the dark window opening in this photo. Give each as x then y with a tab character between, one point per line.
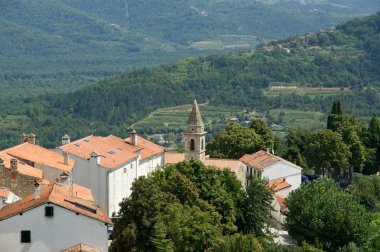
25	236
49	211
192	144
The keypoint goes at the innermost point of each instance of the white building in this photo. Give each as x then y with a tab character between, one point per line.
52	220
109	165
271	167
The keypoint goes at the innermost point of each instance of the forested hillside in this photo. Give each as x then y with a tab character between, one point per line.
54	46
345	58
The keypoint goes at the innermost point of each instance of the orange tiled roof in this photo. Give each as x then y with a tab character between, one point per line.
148	148
81	248
4	193
113	151
278	184
56	194
82	192
40	155
260	160
231	164
21	167
281	201
174	158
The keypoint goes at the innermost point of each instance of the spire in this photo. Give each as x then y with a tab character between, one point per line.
195	116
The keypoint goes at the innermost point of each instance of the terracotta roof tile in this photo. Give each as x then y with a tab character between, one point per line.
4	193
58	195
174	158
82	192
81	248
278	184
40	155
113	151
281	202
231	164
148	148
260	160
22	167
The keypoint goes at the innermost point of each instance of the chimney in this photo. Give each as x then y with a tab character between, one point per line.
36	190
134	138
65	139
14	163
65	158
24	138
94	156
32	138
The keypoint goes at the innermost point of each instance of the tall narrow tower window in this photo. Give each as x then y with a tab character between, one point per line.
192	144
202	144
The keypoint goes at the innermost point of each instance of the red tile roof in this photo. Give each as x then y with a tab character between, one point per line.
260	160
81	248
174	158
148	148
281	201
278	184
113	151
40	155
55	194
231	164
22	168
4	193
81	192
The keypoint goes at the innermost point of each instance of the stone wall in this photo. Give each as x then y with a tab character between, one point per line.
20	184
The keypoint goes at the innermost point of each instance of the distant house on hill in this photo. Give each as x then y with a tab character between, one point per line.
109	165
53	219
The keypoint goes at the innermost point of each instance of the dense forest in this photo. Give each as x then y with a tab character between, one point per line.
57	46
347	57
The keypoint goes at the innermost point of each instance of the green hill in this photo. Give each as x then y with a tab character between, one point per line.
302	73
54	46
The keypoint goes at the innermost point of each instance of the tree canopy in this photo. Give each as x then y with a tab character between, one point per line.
174	208
322	214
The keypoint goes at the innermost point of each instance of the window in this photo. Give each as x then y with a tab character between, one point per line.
131	166
25	236
125	170
49	211
202	144
192	144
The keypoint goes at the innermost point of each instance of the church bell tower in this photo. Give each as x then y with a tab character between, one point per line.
195	144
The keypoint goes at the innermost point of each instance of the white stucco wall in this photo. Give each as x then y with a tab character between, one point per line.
120	182
276	212
285	170
150	164
110	186
64	230
50	173
241	174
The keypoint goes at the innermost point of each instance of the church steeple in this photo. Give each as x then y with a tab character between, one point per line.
195	146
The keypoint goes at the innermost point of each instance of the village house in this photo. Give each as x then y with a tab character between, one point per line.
109	165
53	219
54	166
17	176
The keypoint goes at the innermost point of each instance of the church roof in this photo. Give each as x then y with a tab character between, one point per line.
195	116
